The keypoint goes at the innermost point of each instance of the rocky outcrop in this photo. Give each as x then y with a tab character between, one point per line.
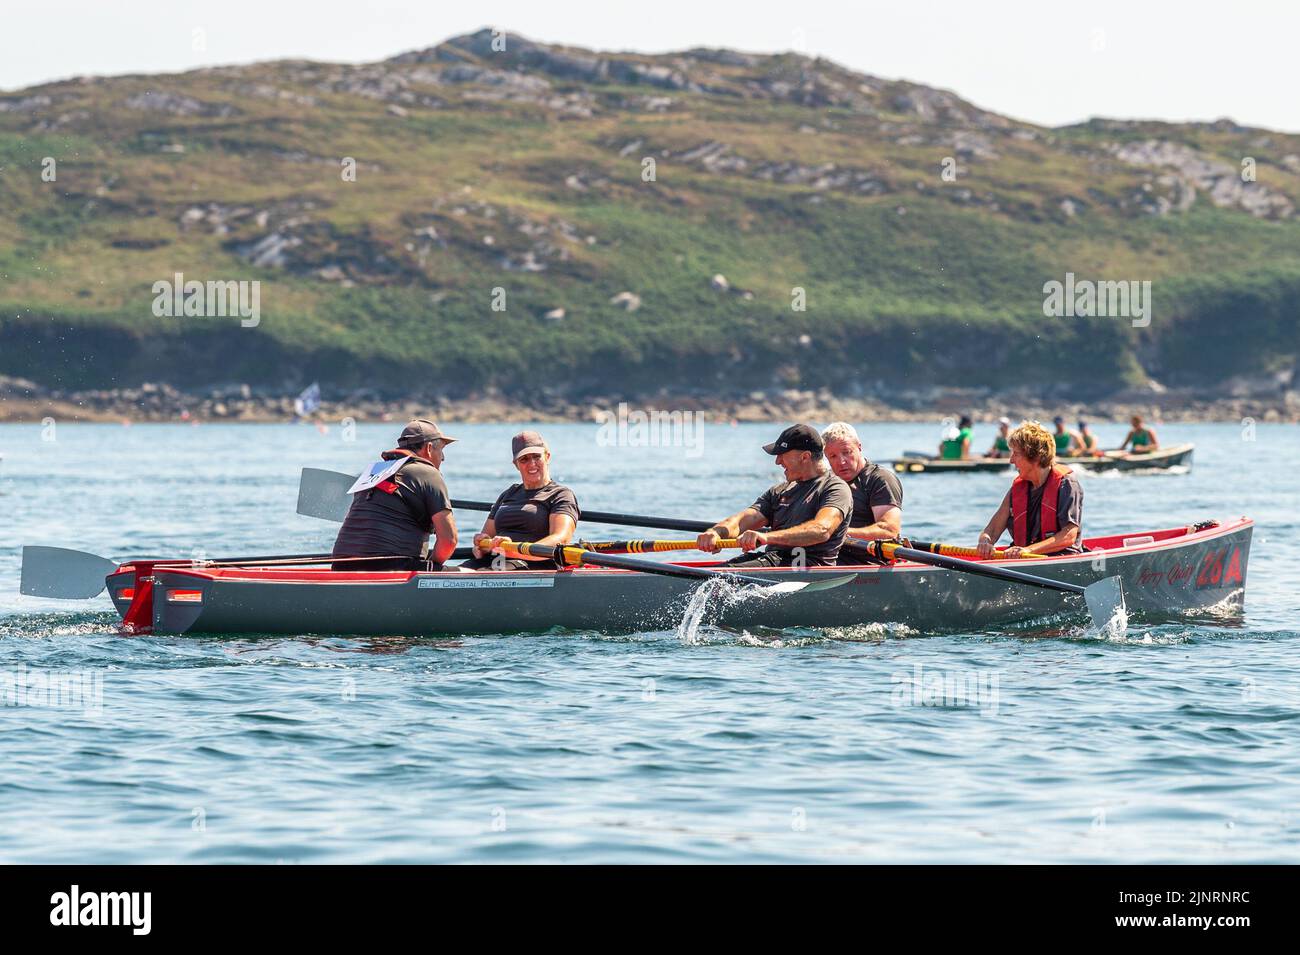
177	104
1190	171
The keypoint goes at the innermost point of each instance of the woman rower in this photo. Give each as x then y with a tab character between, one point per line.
1143	438
537	510
1044	507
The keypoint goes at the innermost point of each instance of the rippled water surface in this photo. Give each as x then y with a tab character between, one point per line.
1178	743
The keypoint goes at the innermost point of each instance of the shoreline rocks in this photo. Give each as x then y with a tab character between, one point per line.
25	401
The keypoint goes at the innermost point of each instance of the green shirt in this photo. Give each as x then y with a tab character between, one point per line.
1062	442
950	450
1000	444
1141	437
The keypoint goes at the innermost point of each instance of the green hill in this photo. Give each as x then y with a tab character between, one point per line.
521	169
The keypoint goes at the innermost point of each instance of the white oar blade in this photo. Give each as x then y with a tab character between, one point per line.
795	586
1105	600
324	494
62	573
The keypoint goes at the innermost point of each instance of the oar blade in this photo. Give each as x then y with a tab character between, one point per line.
62	573
1105	600
797	586
324	494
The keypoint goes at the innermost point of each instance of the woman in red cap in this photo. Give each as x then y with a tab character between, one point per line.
536	510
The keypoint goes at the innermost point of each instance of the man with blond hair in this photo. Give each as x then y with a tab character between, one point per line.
877	495
1044	507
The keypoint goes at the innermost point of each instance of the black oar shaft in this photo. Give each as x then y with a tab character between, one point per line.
984	570
605	517
645	566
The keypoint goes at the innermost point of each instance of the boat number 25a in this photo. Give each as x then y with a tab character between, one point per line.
1218	569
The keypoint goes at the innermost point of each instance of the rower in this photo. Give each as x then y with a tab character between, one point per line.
1044	507
877	494
396	503
807	514
955	445
1086	443
1063	436
1000	447
536	510
1143	438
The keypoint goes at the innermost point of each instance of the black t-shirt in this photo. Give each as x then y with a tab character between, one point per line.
525	515
1069	510
379	524
791	503
873	487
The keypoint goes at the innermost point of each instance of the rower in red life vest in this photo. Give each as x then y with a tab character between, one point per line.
1044	507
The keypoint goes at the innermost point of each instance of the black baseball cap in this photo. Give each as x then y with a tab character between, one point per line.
798	437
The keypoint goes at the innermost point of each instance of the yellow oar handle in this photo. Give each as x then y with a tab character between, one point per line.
569	556
949	550
970	553
652	546
572	554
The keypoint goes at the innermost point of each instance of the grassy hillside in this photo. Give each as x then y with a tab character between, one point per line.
522	170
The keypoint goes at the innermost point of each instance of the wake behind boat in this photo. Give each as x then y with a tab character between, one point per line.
1163	459
1164	573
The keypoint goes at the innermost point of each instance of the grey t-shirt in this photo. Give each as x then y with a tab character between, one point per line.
791	503
525	515
873	487
1069	510
382	524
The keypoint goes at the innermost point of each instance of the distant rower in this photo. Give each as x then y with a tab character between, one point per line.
1143	438
1000	447
956	441
1064	437
1086	444
807	514
1044	508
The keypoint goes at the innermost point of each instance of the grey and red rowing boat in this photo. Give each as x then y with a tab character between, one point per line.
1164	573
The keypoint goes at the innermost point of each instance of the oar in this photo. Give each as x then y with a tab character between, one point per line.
1105	598
63	573
324	494
76	575
577	555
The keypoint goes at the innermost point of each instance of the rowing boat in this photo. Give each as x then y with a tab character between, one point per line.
1164	573
1177	455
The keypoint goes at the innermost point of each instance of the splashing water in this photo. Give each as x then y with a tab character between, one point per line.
727	593
1117	625
689	628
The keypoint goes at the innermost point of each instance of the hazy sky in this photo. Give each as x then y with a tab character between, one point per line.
1045	61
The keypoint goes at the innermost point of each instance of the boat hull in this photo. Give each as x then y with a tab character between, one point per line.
1178	455
1164	573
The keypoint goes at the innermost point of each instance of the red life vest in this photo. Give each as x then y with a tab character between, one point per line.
1047	519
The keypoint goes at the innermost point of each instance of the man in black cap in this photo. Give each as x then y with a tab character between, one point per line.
806	515
396	503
